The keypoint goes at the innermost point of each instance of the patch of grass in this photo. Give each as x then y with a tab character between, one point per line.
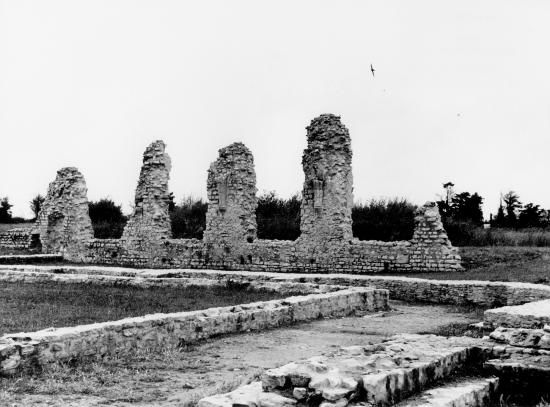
34	306
143	376
523	264
476	236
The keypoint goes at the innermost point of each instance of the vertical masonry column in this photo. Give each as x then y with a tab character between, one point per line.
231	187
64	223
327	196
150	221
431	248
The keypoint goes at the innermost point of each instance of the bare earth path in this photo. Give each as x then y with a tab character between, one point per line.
182	377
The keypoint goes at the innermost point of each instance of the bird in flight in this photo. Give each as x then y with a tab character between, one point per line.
372	70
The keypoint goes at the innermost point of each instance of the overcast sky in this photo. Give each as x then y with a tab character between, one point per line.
461	93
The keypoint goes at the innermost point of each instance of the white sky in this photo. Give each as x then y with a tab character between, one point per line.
462	92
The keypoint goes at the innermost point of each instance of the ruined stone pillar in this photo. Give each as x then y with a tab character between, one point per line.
327	196
64	223
150	221
431	248
231	187
428	226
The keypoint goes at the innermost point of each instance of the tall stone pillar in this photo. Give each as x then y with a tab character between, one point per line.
150	221
64	223
231	187
327	197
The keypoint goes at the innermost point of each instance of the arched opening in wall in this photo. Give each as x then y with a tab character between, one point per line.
188	218
383	219
278	218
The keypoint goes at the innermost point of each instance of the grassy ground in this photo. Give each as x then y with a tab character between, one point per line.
28	307
525	264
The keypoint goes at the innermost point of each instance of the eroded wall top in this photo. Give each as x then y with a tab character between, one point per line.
150	220
231	187
327	196
64	222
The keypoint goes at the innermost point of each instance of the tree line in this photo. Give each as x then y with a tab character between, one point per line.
279	218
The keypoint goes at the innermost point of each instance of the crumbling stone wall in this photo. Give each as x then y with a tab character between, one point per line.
431	247
326	243
231	215
64	223
150	221
327	196
19	239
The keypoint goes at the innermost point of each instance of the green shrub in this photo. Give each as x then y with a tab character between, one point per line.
278	218
188	219
107	219
386	220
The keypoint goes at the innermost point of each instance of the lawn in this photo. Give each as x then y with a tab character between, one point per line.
495	263
28	307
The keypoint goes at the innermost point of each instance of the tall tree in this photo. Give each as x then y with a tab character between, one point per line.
5	210
462	207
512	205
36	204
467	208
531	216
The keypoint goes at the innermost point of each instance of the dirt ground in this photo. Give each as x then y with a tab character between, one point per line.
182	377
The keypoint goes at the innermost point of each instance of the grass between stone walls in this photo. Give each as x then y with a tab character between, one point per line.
26	307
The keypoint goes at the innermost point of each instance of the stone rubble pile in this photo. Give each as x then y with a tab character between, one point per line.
374	375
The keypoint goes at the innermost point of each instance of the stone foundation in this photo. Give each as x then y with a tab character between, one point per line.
20	351
459	292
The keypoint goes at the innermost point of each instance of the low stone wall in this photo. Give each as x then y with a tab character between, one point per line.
278	256
20	351
531	315
18	238
460	292
281	287
30	258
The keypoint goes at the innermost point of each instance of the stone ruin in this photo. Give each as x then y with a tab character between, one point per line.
327	196
150	220
231	186
326	243
64	223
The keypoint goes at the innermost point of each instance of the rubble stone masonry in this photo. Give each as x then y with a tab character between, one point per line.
231	215
326	243
64	223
